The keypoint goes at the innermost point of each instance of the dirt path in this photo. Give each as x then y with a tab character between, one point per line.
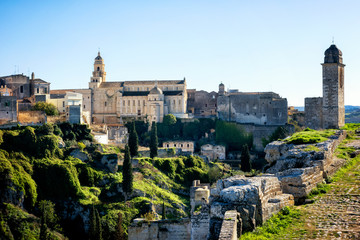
336	215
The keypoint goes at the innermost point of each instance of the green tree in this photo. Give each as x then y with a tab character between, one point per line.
127	184
28	140
119	231
98	226
169	119
153	141
48	108
93	224
245	159
163	211
48	218
133	140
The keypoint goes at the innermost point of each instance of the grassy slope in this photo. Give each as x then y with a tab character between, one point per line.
302	222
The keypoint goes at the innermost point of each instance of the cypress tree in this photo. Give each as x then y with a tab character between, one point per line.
164	211
245	159
133	140
153	141
119	232
93	227
127	185
98	226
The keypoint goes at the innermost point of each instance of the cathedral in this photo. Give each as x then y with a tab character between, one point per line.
116	102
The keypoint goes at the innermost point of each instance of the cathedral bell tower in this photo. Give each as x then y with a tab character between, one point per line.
333	88
99	74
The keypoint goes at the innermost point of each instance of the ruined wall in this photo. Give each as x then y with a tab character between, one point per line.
32	117
300	170
231	226
202	103
313	112
263	131
257	108
161	230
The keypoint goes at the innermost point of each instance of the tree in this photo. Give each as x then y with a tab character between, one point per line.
95	231
48	218
245	159
119	232
163	211
133	141
153	141
127	184
169	119
48	108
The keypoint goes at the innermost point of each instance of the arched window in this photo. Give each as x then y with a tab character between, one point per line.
98	68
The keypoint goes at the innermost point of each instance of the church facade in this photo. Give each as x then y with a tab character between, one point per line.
116	102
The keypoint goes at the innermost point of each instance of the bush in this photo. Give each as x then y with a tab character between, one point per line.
57	179
231	135
48	108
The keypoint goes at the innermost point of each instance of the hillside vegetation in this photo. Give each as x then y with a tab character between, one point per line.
37	163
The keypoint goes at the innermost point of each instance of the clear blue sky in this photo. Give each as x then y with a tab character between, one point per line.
248	45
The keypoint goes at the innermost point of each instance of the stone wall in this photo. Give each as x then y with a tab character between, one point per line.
313	112
300	170
161	230
231	226
260	132
32	117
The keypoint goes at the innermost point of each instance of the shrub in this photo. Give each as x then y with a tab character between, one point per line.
48	108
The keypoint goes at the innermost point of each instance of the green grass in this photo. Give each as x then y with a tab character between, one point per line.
311	148
275	226
351	126
310	136
320	189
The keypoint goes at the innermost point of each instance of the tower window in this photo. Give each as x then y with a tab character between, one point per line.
37	90
105	104
21	89
98	68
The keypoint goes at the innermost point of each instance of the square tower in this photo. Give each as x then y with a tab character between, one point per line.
333	108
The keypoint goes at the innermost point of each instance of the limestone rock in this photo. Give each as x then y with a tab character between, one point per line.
111	161
77	153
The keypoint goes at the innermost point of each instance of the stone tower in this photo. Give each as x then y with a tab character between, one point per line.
333	89
99	74
221	89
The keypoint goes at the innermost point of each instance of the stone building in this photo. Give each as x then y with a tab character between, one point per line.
22	86
261	108
8	109
213	152
328	111
184	146
201	103
115	102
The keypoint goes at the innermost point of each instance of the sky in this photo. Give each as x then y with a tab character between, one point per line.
250	45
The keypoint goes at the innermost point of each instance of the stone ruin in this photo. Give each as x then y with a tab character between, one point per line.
240	203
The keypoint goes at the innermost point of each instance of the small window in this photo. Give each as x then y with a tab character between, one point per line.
188	145
128	102
123	102
167	145
205	105
174	145
84	106
45	90
63	103
37	90
144	102
98	68
138	102
138	89
105	104
21	89
133	102
181	145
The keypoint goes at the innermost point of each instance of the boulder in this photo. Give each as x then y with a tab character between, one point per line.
111	161
77	153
